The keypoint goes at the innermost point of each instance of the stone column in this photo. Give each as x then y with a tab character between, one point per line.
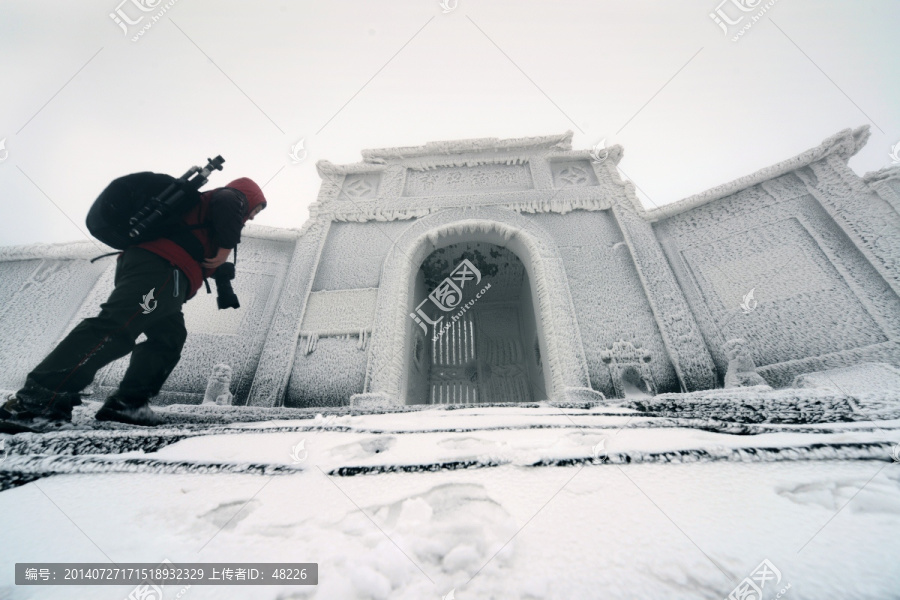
871	223
277	357
680	333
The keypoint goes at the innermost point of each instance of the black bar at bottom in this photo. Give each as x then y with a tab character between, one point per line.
167	573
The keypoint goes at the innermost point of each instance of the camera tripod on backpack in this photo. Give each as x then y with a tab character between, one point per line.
146	206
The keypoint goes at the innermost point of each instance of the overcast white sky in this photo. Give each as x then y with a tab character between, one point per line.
81	103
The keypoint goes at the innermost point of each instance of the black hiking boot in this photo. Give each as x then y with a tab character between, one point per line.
130	410
44	411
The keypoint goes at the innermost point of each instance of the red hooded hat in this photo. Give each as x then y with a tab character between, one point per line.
251	191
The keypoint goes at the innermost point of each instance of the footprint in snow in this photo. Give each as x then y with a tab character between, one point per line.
468	443
363	448
876	497
228	515
450	530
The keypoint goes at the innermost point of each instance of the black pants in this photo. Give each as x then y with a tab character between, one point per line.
128	312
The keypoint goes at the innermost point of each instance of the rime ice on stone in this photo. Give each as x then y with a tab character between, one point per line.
865	378
629	368
577	268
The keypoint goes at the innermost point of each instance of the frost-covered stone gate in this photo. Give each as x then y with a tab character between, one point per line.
585	292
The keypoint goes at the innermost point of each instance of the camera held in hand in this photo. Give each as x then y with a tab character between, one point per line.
225	296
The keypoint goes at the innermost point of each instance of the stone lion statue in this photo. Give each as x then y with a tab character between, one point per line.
218	389
741	368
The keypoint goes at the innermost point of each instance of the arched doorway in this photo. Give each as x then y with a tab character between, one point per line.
476	338
392	346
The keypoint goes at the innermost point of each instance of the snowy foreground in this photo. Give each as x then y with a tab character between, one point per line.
531	502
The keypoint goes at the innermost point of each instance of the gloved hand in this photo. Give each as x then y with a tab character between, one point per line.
218	259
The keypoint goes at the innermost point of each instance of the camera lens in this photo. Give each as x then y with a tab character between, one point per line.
225	296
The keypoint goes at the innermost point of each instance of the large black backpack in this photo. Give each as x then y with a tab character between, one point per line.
110	218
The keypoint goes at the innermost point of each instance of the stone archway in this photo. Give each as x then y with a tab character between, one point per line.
392	344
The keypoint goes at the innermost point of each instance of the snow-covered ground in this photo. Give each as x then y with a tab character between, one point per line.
531	502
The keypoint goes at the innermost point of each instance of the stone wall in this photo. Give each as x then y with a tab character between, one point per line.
770	264
48	289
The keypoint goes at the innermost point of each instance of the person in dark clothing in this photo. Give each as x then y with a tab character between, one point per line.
152	282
